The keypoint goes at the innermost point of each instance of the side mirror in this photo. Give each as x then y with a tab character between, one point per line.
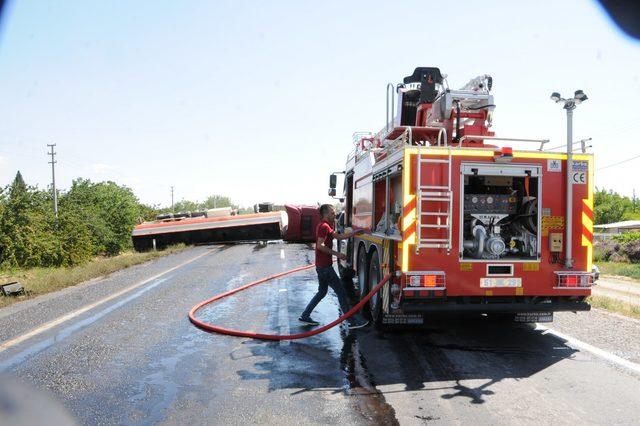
333	181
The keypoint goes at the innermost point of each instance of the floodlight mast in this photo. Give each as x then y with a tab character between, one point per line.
569	105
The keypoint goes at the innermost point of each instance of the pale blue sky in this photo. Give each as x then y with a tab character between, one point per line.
258	100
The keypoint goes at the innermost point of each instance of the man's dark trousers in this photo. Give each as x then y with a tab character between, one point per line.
327	277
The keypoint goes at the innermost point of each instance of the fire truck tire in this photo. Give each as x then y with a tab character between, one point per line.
363	277
346	274
376	300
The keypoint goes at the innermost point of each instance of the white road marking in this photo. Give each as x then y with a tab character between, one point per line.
60	320
281	253
59	336
283	314
590	348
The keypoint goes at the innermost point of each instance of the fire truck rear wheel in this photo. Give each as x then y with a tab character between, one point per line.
363	269
375	275
346	274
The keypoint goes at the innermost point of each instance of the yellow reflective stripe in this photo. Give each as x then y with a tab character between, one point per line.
405	260
454	152
486	153
540	155
406	177
408	219
588	202
587	222
407	198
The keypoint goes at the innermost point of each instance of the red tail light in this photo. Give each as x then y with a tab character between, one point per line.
570	279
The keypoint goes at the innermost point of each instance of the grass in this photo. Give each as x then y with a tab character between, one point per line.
37	281
631	270
614	305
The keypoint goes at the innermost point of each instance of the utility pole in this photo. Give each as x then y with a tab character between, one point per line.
634	200
53	178
172	199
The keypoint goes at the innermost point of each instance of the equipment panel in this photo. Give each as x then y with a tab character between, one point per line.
490	203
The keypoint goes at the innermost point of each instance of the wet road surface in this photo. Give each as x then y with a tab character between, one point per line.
136	359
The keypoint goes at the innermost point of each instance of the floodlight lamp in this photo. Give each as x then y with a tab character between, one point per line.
555	97
579	96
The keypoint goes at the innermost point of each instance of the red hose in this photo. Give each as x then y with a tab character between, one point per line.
241	333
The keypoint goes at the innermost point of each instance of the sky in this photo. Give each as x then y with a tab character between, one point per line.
258	100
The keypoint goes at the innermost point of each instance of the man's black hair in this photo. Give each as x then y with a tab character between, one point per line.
323	209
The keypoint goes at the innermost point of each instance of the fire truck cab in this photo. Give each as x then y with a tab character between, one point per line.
461	220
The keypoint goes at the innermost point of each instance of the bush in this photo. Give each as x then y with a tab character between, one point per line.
94	219
631	250
604	249
109	211
627	237
618	257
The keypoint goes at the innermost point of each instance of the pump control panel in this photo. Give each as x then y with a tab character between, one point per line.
490	203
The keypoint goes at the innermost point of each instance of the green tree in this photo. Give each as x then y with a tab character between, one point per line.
27	227
110	212
214	201
147	212
610	206
186	206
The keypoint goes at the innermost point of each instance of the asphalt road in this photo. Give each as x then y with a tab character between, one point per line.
134	358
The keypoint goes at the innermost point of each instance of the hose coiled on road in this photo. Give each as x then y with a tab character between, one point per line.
262	336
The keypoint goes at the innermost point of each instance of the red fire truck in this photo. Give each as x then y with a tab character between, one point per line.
462	221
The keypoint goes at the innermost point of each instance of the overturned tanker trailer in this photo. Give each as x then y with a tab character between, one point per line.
294	225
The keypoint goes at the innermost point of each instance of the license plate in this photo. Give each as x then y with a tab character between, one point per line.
500	282
401	319
534	317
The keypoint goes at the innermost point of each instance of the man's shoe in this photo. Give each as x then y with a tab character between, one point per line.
355	323
308	321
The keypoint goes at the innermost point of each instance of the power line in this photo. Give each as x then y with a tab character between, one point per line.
620	162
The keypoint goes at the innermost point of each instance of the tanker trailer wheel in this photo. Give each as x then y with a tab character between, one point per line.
363	269
379	299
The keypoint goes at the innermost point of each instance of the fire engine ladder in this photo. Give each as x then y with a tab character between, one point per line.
437	201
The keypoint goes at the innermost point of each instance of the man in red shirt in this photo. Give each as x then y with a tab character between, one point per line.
327	276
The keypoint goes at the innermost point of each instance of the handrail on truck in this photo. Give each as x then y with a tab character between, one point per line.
393	107
493	138
442	134
582	142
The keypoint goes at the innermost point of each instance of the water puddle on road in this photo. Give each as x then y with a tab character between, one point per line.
358	383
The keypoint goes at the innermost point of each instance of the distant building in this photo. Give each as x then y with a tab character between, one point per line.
618	227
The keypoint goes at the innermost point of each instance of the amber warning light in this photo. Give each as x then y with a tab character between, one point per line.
503	155
428	280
